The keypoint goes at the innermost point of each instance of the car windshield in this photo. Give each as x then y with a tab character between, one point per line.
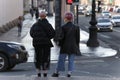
118	17
103	20
106	12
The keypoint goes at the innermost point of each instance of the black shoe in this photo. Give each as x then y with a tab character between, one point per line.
45	74
39	75
68	75
55	75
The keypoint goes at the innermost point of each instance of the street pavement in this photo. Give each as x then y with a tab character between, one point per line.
88	53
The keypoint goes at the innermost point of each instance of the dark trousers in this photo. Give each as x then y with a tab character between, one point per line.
42	57
19	30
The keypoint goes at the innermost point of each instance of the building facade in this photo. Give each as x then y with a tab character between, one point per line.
106	2
10	10
117	2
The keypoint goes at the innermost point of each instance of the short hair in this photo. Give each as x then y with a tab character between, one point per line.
42	14
69	16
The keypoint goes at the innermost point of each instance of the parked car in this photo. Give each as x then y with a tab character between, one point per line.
104	24
106	14
118	10
81	9
88	13
115	19
11	53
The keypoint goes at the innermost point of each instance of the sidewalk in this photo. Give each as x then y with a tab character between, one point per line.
88	52
53	78
13	33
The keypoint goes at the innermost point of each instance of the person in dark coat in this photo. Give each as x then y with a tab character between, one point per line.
42	32
36	13
32	12
69	45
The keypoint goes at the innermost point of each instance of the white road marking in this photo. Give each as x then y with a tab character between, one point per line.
117	30
101	34
90	61
86	27
105	36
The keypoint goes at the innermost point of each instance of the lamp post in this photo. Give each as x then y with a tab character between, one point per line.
92	41
32	3
57	18
99	6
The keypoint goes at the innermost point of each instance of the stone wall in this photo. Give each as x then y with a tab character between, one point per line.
10	10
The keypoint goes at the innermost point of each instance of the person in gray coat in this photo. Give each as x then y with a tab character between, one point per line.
69	45
19	25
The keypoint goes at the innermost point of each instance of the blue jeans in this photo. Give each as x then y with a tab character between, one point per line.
61	62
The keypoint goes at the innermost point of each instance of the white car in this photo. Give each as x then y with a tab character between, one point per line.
106	14
115	19
104	24
88	13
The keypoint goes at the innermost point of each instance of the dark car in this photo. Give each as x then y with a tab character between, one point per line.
118	11
11	53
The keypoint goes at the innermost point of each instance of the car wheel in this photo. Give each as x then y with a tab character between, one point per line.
3	62
10	67
111	30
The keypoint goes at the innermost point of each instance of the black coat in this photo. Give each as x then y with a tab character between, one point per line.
71	39
41	32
